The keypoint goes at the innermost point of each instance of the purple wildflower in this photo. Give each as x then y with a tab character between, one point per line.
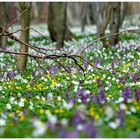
78	118
69	69
53	69
33	73
66	134
127	93
121	114
84	97
134	77
137	94
85	63
99	82
27	94
90	129
51	125
138	49
25	112
11	74
101	97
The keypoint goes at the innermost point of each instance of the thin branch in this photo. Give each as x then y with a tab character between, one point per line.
15	20
40	65
62	66
107	36
20	53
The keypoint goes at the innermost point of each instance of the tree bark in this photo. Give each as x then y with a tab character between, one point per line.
57	23
124	6
2	23
115	22
84	16
102	16
25	22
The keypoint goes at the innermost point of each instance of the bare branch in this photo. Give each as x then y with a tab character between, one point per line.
15	20
107	36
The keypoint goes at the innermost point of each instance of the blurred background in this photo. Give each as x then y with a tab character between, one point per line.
78	13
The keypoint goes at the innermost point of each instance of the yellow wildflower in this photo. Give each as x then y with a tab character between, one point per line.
41	111
124	71
48	75
110	96
91	112
97	77
18	88
54	82
127	65
59	111
97	117
28	87
17	111
89	77
22	117
10	87
11	115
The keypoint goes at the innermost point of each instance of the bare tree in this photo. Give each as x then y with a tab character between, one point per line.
115	21
25	22
2	23
57	23
87	16
124	7
102	16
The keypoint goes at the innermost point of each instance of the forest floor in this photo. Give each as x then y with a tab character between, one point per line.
103	101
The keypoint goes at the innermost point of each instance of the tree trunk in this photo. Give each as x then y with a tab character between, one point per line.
115	22
124	6
25	22
57	23
84	16
102	16
2	23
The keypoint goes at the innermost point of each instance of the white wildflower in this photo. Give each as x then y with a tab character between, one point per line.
12	99
53	119
133	109
37	97
40	128
67	105
50	96
122	106
21	102
113	125
64	122
2	122
79	100
59	98
79	127
109	112
8	106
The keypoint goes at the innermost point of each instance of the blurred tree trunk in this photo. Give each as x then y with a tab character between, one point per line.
115	21
124	7
2	23
86	15
11	10
83	16
25	22
57	23
44	12
102	16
